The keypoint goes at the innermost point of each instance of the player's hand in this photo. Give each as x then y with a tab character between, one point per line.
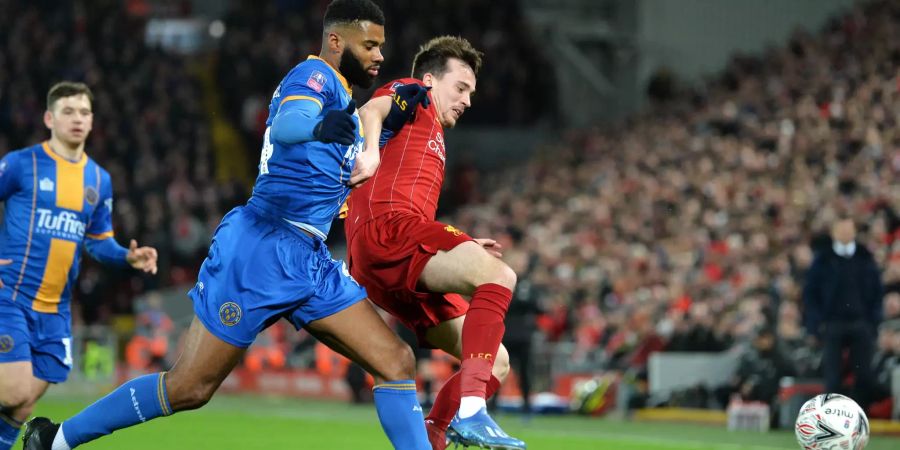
366	164
338	126
142	258
4	262
493	247
406	101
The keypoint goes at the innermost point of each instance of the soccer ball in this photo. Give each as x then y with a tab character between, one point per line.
832	422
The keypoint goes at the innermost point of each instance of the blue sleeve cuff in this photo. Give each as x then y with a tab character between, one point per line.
107	251
295	122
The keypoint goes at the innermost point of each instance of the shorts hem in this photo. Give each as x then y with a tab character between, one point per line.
307	320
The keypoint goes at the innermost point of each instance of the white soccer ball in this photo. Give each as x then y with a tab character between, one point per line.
832	422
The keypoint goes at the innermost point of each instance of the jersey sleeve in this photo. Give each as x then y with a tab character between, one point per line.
389	88
10	175
308	82
100	227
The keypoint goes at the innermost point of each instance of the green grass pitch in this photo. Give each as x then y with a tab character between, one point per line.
243	422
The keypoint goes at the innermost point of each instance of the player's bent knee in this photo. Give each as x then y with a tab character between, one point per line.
25	410
505	277
196	397
184	396
401	366
11	398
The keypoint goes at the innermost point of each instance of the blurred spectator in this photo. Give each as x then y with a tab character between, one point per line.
759	371
887	359
843	306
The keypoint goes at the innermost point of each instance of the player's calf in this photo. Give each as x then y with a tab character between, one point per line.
186	394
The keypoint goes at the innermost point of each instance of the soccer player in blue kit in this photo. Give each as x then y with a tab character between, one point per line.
57	199
268	259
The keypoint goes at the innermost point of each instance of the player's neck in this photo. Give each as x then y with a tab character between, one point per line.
333	61
67	151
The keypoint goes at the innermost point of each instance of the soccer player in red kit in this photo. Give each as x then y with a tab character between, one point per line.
418	269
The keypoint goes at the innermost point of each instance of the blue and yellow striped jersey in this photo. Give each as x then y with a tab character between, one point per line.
306	183
52	206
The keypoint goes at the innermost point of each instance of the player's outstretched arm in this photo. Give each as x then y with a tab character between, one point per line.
371	115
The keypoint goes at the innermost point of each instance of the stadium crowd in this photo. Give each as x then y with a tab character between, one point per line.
691	227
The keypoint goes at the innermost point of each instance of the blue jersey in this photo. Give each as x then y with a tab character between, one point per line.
52	206
306	183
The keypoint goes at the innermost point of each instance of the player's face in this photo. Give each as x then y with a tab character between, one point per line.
70	119
361	58
452	92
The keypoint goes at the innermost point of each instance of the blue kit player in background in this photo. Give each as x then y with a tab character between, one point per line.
268	259
57	198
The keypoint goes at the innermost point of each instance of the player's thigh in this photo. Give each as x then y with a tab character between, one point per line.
16	369
447	336
204	363
15	381
359	333
462	269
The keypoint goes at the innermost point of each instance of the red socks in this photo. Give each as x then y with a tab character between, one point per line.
481	335
447	401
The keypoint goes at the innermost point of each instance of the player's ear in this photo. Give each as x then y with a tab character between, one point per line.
428	79
333	41
48	119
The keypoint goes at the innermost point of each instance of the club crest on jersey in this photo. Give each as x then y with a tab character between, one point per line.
91	195
453	230
6	343
230	314
316	81
46	184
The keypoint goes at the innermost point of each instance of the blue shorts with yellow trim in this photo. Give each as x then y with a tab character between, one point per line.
260	269
28	335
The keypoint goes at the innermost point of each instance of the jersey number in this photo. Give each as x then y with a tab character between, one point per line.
67	342
267	150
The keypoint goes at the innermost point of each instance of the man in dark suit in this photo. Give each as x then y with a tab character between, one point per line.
843	306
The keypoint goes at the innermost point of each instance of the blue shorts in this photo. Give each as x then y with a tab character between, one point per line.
260	269
28	335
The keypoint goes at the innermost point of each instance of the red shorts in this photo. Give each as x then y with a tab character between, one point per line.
388	254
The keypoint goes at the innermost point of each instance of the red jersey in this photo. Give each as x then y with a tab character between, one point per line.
411	173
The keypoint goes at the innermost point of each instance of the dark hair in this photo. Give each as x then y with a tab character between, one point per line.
433	56
346	11
67	89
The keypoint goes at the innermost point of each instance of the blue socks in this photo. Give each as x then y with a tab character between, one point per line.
9	431
137	401
401	415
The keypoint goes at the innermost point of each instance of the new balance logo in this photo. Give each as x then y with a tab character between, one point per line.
46	184
417	408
